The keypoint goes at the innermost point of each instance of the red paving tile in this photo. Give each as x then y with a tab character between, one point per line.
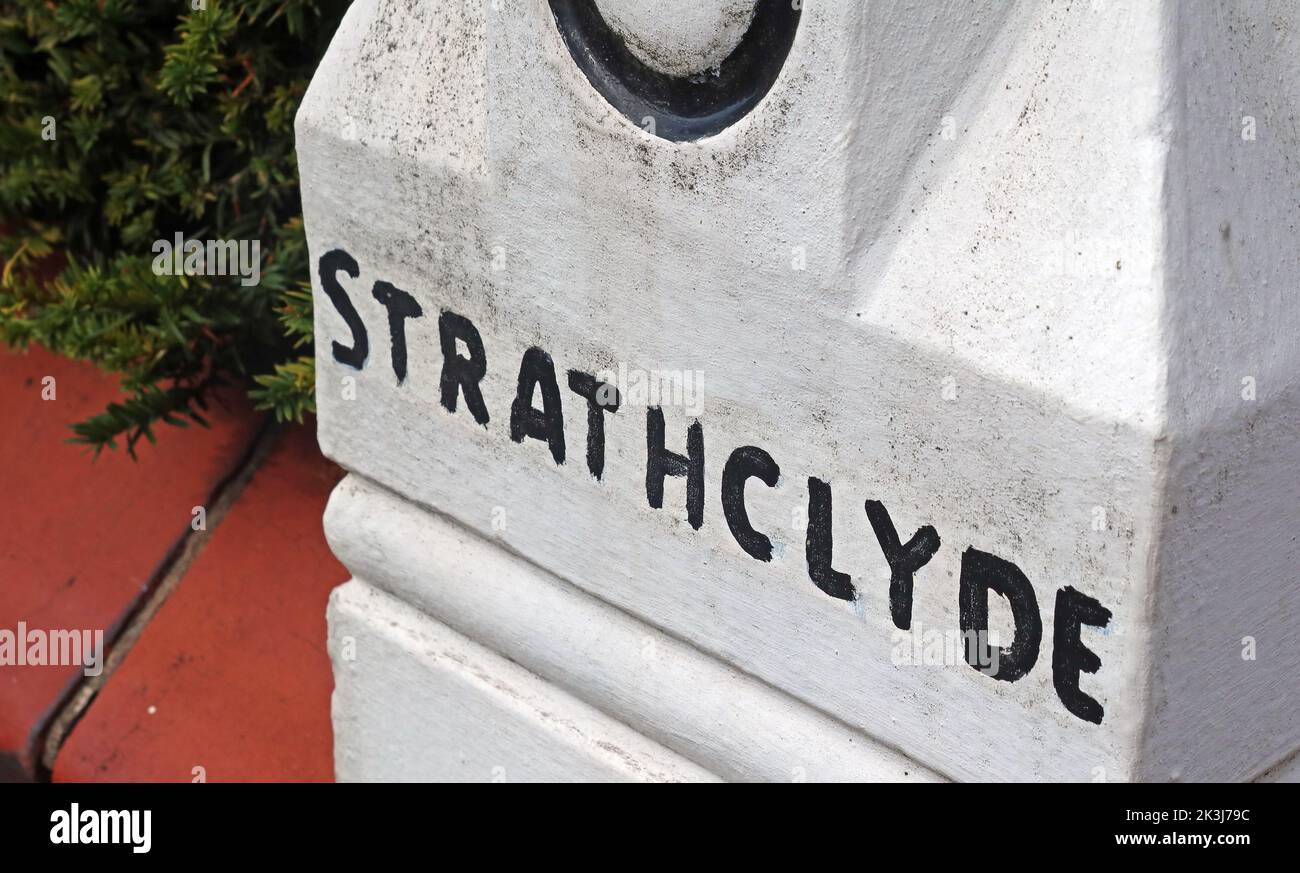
232	674
80	537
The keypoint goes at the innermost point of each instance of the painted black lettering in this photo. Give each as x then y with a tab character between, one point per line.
331	263
980	574
661	462
546	424
400	306
904	560
1070	656
747	462
462	374
819	544
601	397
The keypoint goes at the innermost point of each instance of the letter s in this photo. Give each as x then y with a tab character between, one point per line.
330	264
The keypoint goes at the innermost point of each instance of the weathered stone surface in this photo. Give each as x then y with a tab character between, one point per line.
1014	273
705	710
480	718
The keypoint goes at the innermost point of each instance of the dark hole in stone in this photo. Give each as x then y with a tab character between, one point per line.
683	107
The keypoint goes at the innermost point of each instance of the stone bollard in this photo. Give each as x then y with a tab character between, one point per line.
810	390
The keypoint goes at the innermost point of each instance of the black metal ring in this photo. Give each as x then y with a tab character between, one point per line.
683	107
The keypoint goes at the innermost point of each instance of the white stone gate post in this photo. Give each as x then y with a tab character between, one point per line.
817	390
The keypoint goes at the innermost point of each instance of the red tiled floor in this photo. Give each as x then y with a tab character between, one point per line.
232	674
80	537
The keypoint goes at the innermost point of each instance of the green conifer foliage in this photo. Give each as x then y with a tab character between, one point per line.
124	122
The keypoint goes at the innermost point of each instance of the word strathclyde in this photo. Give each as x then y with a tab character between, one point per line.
981	572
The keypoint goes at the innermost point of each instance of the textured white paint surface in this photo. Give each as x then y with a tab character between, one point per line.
399	676
709	712
1038	261
680	37
1288	771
